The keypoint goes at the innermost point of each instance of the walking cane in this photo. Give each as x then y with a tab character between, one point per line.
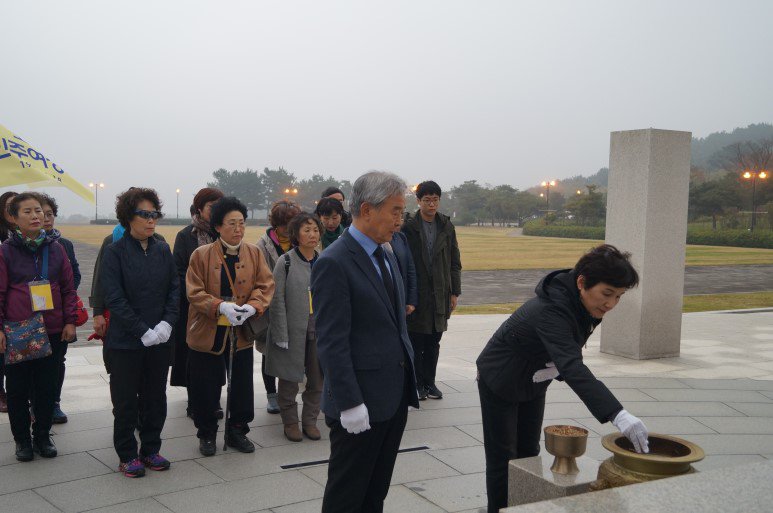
226	417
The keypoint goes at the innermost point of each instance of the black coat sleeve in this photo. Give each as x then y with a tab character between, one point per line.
554	329
97	299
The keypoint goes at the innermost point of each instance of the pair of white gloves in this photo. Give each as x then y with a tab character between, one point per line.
157	335
632	427
236	315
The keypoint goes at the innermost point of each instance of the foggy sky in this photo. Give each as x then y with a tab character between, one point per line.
163	93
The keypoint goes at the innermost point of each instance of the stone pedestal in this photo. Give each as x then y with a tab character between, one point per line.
531	480
649	172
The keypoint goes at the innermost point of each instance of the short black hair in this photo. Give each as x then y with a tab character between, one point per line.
4	203
223	207
427	188
126	203
13	207
51	202
607	264
328	206
297	222
332	190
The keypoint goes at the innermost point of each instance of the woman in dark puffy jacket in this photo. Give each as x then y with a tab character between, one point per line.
142	291
542	341
23	259
6	227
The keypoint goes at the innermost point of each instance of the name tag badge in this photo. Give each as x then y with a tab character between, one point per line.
41	295
311	308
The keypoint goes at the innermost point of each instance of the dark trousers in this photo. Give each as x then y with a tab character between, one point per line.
2	373
511	430
59	350
268	381
138	388
426	350
207	377
361	465
35	380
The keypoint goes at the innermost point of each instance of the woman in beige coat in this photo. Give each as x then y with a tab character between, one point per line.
227	282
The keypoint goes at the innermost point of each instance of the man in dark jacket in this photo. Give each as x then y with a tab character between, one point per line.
432	239
541	341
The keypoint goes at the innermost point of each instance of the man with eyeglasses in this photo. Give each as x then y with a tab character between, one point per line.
432	240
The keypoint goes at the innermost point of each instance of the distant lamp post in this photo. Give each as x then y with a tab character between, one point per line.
579	192
547	185
753	176
178	203
96	186
290	191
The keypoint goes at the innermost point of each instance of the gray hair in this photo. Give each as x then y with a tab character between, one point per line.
375	187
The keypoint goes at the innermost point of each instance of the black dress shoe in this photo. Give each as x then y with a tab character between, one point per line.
239	441
422	393
433	392
24	451
44	445
219	413
207	446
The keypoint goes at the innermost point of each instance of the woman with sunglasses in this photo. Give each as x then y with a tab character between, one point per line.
141	289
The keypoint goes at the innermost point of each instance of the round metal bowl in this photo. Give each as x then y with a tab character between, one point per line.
668	455
565	447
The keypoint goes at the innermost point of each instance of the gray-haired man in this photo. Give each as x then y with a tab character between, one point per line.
363	348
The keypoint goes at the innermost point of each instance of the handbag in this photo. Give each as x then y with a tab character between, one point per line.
26	340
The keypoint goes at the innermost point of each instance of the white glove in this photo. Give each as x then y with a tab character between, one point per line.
150	338
233	312
549	372
282	345
248	310
355	420
163	330
633	429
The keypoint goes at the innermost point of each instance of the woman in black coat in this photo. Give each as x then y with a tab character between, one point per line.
198	233
142	291
541	341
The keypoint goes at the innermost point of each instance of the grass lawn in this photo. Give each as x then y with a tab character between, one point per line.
487	248
698	303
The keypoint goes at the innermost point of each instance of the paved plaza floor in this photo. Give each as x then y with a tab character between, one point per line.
718	394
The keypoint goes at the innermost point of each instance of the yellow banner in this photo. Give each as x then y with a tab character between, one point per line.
20	163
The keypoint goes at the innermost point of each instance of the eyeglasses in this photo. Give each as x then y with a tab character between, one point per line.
430	202
148	214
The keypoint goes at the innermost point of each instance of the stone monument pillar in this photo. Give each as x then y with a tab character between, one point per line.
649	173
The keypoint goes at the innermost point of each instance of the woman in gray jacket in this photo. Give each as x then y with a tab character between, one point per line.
291	351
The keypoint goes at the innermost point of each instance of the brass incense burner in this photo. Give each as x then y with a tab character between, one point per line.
668	456
565	443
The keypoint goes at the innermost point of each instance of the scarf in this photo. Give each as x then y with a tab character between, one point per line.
284	242
229	249
32	244
330	237
201	230
54	234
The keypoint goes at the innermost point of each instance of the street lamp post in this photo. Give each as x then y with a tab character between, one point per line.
96	186
753	175
178	203
290	191
547	185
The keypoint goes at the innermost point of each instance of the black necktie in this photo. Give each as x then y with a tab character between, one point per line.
385	277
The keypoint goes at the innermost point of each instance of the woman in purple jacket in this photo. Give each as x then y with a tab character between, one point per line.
21	262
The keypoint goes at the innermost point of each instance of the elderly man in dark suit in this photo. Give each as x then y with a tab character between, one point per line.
363	348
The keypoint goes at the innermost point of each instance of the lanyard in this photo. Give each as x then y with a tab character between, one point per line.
43	272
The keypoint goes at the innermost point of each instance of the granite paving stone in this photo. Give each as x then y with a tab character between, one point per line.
455	493
675	426
244	495
465	460
25	502
735	444
753	409
569	396
729	384
681	409
42	472
439	418
446	437
114	488
738	425
149	505
726	460
737	396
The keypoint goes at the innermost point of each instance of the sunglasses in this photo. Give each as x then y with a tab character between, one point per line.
148	214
